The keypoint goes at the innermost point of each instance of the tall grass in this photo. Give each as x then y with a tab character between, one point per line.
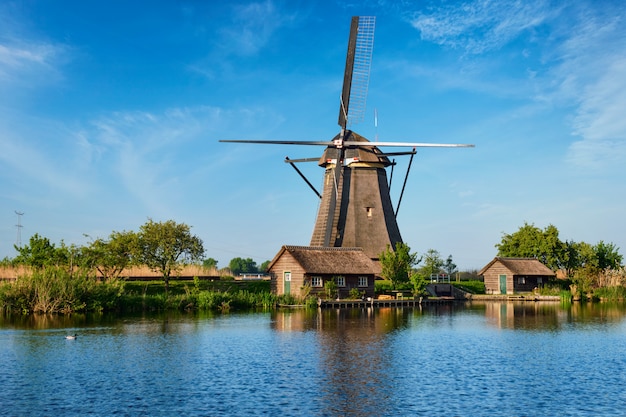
55	290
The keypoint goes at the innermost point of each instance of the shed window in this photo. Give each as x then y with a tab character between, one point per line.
341	281
363	282
316	281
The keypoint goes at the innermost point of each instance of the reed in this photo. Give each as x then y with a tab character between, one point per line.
55	290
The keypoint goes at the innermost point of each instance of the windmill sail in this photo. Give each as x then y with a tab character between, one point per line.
355	208
357	72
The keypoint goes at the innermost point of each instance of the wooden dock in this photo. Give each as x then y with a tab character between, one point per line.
376	303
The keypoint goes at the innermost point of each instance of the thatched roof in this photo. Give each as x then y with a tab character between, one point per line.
521	266
329	260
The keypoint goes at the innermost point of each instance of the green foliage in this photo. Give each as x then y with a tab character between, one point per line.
240	265
531	242
264	266
607	256
583	281
432	263
165	246
611	293
473	287
330	288
419	284
39	252
54	290
110	257
382	286
356	294
209	263
449	266
396	265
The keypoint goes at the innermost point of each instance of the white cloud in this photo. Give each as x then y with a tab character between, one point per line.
480	26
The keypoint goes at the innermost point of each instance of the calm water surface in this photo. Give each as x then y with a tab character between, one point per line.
503	359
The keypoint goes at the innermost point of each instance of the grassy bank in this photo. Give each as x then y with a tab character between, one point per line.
54	290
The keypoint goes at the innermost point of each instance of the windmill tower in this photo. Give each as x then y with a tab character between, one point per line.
355	204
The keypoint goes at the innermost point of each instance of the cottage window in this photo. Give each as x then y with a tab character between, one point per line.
316	282
341	281
363	282
521	280
539	280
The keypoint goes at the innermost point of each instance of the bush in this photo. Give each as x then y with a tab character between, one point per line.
55	290
473	287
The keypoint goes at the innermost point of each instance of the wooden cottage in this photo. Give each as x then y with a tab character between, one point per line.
295	268
514	275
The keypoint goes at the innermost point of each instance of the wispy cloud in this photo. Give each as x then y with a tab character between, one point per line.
250	28
582	68
480	26
153	155
24	58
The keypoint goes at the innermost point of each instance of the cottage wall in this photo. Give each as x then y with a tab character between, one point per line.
492	279
352	281
287	263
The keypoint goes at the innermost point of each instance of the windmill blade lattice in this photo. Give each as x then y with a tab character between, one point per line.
357	72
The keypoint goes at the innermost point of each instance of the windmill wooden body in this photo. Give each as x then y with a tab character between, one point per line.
355	204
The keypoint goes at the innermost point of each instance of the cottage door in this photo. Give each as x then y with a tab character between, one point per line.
287	283
502	284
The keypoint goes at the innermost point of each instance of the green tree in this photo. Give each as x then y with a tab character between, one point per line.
396	265
239	266
264	265
209	263
432	263
39	252
532	242
166	246
110	257
449	266
607	255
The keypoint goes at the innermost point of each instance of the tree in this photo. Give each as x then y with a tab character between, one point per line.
264	265
531	242
39	253
165	246
396	265
449	266
110	257
239	265
432	263
210	263
607	255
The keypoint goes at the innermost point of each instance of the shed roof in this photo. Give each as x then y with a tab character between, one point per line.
329	260
520	266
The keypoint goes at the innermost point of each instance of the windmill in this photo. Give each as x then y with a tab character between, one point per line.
355	204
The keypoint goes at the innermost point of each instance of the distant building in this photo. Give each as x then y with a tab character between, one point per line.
514	275
295	267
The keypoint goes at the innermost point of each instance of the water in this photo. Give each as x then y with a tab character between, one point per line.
496	359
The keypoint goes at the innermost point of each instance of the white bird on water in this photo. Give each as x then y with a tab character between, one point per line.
71	337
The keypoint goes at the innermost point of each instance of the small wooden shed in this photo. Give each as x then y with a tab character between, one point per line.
514	275
295	267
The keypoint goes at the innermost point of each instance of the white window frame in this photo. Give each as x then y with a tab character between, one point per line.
317	282
341	281
363	281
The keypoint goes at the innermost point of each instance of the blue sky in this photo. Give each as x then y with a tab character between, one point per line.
111	112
